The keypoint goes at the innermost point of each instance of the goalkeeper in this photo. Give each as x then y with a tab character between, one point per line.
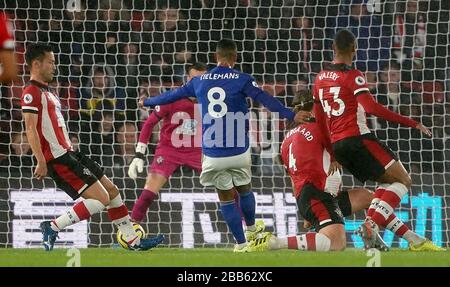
178	119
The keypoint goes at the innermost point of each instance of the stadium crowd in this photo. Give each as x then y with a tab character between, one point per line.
109	53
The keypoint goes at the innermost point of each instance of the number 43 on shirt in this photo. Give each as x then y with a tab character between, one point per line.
337	107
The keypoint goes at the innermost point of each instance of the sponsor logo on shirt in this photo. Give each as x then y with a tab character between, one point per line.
86	171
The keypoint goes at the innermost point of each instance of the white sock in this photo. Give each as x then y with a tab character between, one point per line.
251	227
306	242
276	243
241	245
115	202
80	211
118	214
301	242
413	238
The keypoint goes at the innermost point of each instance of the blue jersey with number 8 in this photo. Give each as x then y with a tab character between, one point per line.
222	94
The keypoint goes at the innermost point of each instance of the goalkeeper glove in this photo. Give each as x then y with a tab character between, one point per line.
137	165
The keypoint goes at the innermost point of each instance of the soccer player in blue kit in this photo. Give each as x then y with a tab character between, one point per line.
222	94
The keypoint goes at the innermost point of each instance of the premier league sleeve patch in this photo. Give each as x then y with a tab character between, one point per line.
28	99
360	81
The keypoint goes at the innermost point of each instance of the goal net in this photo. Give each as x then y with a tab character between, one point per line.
111	52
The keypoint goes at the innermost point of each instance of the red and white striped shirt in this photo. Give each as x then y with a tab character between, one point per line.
305	153
342	99
37	98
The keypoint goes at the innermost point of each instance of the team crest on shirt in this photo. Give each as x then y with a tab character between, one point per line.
360	81
28	98
159	160
86	171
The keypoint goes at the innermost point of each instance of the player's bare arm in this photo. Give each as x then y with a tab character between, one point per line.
302	116
8	71
424	129
33	138
334	166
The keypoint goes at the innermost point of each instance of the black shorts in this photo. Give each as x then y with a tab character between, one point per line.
344	203
74	173
364	156
318	207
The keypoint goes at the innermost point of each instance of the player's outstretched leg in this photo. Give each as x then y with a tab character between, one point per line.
150	192
118	214
96	198
305	242
329	238
357	199
415	241
395	183
232	217
247	204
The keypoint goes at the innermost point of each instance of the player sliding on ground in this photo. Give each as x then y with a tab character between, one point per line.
72	172
222	94
169	155
316	183
342	100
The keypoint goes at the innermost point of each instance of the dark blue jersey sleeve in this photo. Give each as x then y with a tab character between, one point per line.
252	90
171	96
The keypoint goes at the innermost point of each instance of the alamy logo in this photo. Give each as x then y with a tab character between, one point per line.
74	257
375	258
226	129
73	5
374	6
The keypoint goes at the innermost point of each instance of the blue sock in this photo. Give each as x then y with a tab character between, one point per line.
248	205
233	219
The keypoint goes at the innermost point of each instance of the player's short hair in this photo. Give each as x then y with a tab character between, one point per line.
303	101
344	41
198	66
226	49
36	51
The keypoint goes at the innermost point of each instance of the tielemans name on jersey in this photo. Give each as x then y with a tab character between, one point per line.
230	76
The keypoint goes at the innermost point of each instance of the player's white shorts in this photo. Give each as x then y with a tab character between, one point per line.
226	172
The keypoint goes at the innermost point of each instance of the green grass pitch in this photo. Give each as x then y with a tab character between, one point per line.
212	257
